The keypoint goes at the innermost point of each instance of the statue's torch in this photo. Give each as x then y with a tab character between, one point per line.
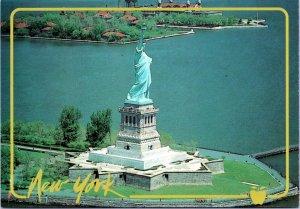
143	28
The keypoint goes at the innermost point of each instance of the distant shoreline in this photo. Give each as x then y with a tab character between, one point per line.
214	28
104	42
149	39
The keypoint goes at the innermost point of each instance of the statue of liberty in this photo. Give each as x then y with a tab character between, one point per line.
139	92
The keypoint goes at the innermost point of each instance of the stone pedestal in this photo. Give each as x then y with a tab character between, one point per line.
138	128
138	143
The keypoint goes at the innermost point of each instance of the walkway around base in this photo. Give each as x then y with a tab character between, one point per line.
275	151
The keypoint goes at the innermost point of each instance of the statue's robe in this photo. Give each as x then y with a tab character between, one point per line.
140	89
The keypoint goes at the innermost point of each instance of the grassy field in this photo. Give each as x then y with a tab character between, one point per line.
226	183
34	155
229	182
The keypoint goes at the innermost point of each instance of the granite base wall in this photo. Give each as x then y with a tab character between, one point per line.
147	182
137	181
190	178
117	177
74	173
215	166
181	178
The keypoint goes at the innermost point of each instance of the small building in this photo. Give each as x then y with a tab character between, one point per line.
22	25
176	5
118	34
47	29
80	14
104	15
129	17
51	24
134	22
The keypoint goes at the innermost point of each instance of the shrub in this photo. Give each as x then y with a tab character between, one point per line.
6	27
137	14
22	32
79	144
36	23
54	17
166	139
34	32
86	35
98	29
76	34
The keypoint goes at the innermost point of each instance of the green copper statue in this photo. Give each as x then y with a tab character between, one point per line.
139	92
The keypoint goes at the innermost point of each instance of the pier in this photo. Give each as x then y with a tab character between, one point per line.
275	151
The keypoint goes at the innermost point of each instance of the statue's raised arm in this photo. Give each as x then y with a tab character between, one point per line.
139	92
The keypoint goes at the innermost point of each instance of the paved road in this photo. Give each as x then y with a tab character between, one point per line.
36	149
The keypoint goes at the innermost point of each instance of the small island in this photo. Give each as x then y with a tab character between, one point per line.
120	27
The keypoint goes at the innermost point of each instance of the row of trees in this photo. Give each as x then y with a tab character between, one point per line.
68	133
96	130
195	20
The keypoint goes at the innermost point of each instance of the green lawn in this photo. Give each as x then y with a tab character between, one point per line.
34	155
226	183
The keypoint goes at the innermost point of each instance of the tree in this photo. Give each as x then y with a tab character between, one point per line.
5	130
81	143
98	29
166	139
5	162
28	165
58	136
5	27
22	32
76	34
69	124
191	145
99	127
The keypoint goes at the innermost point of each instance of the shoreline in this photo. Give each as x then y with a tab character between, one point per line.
214	28
184	32
104	42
